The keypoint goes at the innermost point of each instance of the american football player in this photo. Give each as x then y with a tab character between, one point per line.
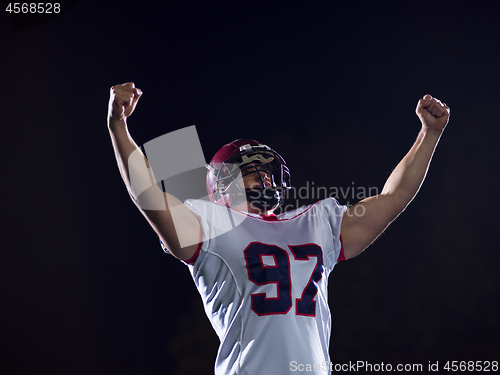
262	277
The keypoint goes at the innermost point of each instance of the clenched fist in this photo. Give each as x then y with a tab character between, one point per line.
122	101
433	113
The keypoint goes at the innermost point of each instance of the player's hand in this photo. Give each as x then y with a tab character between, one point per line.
122	100
433	113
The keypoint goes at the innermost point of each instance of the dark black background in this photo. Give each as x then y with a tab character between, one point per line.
85	288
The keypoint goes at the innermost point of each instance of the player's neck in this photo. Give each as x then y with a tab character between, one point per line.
247	207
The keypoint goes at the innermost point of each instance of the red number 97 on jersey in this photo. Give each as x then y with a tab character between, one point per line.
261	273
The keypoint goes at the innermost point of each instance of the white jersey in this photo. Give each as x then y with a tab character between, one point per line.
263	282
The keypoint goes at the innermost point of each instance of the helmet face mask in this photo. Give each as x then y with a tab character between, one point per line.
246	170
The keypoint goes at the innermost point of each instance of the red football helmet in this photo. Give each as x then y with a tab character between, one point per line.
242	157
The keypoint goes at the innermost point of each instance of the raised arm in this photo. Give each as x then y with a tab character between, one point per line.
136	174
359	231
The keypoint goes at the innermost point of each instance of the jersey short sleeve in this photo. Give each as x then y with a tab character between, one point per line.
334	214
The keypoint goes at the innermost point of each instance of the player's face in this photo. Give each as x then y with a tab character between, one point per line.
253	179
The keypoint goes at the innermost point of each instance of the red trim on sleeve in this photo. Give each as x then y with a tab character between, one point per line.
194	257
341	256
197	252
